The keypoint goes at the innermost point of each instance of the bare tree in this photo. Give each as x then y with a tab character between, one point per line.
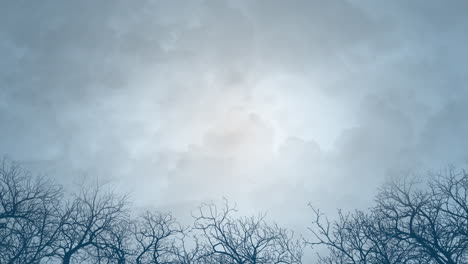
357	238
87	220
412	222
244	239
116	244
29	216
188	248
154	235
38	224
434	217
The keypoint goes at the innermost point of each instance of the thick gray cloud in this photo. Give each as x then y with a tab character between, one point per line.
271	104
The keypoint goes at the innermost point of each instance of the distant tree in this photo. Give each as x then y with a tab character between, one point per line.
89	219
29	215
412	222
244	239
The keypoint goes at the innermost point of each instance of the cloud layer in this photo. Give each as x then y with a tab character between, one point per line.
270	104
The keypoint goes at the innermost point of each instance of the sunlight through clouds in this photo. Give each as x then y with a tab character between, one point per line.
270	104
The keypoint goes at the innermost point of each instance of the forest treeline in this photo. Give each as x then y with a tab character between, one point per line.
410	222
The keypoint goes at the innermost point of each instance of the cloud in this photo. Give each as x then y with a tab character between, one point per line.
271	104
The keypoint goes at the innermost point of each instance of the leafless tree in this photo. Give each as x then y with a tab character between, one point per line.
356	238
29	216
244	239
88	218
412	222
154	235
434	217
115	245
188	248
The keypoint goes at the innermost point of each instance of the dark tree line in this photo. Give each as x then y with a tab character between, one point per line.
411	222
39	223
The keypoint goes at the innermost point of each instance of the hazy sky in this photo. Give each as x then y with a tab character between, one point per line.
270	103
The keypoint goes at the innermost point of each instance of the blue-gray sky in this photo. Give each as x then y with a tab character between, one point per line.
269	103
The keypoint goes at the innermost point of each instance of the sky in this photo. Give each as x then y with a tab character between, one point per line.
271	104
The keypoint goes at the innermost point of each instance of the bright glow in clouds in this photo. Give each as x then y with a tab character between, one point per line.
270	103
242	138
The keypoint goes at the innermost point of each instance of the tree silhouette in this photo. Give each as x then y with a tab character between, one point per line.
356	238
115	245
412	222
154	235
244	239
88	219
434	218
29	215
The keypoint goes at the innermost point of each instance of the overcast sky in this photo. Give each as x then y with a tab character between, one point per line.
271	104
